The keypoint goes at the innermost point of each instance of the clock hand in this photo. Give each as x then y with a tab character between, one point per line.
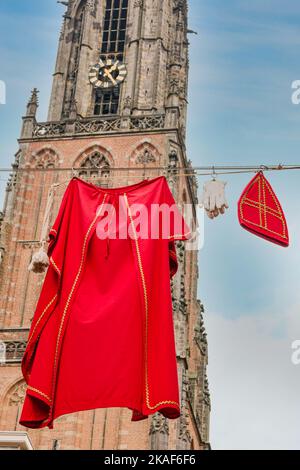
109	71
114	67
109	75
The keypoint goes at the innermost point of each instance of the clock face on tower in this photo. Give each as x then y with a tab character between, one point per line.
107	74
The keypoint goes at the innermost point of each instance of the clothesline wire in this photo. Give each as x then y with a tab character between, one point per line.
214	170
190	174
185	171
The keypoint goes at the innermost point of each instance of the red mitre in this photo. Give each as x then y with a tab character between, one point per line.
260	212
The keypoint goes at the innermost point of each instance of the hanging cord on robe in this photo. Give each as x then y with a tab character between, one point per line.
40	260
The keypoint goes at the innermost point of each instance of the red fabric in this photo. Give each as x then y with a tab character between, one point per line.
102	334
260	212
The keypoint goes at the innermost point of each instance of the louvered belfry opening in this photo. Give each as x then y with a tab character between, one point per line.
112	47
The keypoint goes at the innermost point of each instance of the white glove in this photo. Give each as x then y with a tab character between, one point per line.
214	198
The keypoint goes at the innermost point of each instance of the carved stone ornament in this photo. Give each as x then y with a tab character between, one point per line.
46	158
159	424
97	126
128	102
200	331
90	4
145	158
14	351
184	433
138	3
96	160
159	432
18	395
1	251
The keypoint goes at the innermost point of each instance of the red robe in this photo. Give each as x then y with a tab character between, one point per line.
102	335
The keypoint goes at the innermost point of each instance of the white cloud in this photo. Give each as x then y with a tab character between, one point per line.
254	385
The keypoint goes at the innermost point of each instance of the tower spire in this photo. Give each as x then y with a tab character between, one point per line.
33	103
29	120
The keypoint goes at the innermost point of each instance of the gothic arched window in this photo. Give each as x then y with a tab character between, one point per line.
96	167
45	158
11	404
107	102
114	28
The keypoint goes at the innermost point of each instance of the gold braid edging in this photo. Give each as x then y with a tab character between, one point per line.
142	274
278	209
40	318
40	393
268	210
265	202
56	268
258	205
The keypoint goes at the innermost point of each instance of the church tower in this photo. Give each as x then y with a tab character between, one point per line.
117	112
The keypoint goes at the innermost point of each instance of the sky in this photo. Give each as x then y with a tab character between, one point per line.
242	65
